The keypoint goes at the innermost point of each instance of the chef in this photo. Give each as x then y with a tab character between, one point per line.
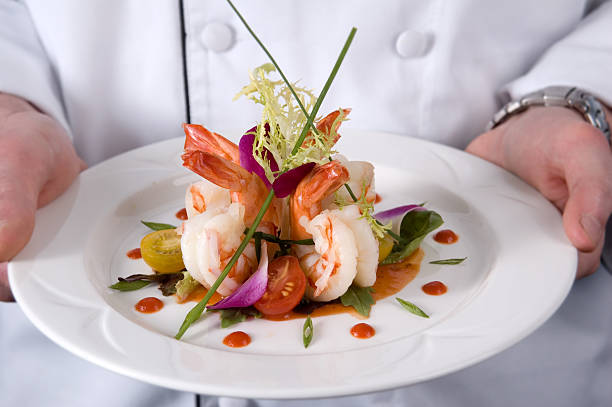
83	81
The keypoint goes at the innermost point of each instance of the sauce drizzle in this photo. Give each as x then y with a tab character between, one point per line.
182	214
134	254
149	305
362	331
435	288
237	339
390	279
446	236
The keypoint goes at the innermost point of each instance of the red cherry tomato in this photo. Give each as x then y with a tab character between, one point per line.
286	285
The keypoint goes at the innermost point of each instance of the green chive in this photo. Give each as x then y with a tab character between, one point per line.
307	331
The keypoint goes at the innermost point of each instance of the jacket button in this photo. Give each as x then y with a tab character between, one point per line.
217	37
412	44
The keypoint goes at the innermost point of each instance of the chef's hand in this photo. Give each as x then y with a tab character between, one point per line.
569	161
37	164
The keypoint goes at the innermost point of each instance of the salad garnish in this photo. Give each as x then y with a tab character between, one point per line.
360	298
307	331
157	226
195	313
410	307
451	262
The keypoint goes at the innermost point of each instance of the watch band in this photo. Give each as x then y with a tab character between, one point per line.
564	96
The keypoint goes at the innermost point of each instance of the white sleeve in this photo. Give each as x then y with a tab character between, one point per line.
583	59
25	70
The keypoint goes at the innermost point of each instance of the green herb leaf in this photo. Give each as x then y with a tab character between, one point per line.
414	227
233	316
410	307
359	298
157	226
167	282
307	331
448	261
130	285
417	224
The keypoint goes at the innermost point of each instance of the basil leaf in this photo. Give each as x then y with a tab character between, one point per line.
232	316
359	298
417	224
157	226
307	331
410	307
448	261
130	285
414	227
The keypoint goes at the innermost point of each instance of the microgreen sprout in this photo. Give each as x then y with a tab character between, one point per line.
367	211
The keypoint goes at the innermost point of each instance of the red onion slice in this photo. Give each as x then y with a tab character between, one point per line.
251	290
390	214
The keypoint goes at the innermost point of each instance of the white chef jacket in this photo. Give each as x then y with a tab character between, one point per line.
120	74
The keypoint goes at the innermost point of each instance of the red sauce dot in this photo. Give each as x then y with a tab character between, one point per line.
377	199
435	288
149	305
182	214
134	254
446	236
362	331
237	339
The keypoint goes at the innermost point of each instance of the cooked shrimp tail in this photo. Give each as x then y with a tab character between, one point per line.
199	138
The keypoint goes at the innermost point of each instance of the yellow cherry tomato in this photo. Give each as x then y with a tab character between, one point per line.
384	247
161	250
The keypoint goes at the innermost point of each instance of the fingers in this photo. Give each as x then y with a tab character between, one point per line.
588	173
17	211
588	262
5	290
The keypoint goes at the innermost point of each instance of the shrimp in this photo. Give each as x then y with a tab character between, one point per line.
204	195
217	159
208	242
322	181
366	243
361	177
325	126
331	264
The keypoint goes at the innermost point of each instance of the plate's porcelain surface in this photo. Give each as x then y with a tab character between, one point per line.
519	269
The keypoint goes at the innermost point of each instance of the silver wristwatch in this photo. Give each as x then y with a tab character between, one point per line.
564	96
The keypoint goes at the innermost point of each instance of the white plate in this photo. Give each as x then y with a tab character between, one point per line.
519	269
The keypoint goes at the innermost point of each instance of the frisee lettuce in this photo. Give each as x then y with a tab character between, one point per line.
367	212
282	122
186	286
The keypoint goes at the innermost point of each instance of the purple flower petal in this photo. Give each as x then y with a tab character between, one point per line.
391	214
251	290
247	160
287	182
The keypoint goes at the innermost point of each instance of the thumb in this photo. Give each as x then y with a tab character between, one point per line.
589	203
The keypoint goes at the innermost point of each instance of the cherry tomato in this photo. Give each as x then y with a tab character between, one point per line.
161	250
384	247
286	285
